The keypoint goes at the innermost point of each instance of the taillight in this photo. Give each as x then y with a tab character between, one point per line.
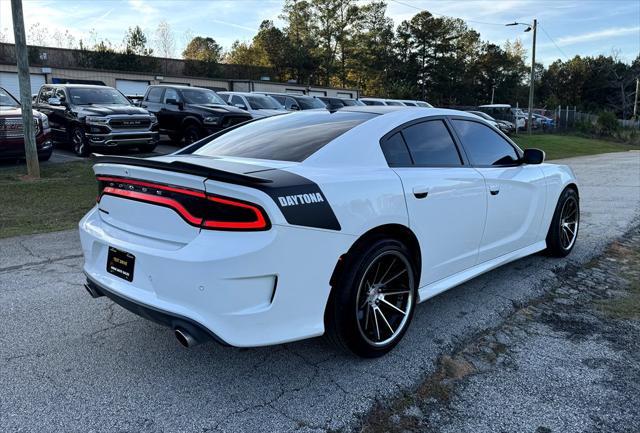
197	208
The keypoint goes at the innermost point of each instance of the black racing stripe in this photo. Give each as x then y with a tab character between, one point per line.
300	200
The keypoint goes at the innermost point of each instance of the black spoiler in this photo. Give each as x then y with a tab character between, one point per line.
224	175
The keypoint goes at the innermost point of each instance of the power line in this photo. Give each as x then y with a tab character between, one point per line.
444	15
554	42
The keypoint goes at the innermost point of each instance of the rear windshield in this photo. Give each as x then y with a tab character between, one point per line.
309	103
290	137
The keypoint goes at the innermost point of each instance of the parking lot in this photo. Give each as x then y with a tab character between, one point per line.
72	363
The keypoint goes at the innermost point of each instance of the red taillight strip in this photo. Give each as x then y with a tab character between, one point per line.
163	201
259	223
153	185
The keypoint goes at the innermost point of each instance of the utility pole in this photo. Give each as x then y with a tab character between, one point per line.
635	104
493	91
533	71
24	80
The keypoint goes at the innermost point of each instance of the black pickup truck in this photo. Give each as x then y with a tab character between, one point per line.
90	117
190	112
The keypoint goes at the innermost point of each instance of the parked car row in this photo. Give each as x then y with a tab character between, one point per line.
93	118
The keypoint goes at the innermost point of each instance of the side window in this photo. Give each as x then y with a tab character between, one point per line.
155	94
60	95
483	145
171	94
289	102
396	152
430	144
279	98
45	94
238	102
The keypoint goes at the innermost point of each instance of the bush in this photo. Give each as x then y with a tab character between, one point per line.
607	124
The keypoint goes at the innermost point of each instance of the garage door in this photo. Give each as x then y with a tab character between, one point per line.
9	80
131	87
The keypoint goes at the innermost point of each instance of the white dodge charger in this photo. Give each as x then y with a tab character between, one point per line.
320	222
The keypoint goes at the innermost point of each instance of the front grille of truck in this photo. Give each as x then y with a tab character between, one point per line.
130	123
12	127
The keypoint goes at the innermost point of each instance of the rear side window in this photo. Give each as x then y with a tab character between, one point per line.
396	152
483	145
155	94
430	144
293	137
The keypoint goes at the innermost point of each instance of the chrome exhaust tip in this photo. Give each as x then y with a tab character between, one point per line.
185	338
92	291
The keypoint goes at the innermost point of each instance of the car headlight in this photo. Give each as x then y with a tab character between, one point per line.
153	118
94	120
212	120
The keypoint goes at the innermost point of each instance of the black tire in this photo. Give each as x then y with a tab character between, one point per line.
344	317
45	156
78	141
191	134
175	137
563	231
147	148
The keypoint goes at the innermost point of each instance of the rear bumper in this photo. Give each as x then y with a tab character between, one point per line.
245	288
171	320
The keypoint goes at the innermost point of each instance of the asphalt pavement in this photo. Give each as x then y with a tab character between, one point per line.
72	363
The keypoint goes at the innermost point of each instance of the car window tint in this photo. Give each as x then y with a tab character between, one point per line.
237	101
171	94
396	152
409	104
45	94
483	145
431	144
155	94
284	138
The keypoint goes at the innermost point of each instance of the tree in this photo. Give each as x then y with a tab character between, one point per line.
165	41
203	49
297	15
243	53
38	34
135	42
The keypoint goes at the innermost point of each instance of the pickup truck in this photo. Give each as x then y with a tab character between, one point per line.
190	113
90	117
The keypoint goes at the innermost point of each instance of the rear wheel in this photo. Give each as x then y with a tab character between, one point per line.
373	302
563	231
78	140
192	134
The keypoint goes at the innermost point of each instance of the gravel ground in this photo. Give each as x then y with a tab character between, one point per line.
74	364
566	362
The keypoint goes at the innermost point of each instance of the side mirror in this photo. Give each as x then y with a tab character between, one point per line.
54	101
533	156
295	107
172	101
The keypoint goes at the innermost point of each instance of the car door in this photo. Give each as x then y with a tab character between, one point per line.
171	115
516	192
152	101
55	113
446	199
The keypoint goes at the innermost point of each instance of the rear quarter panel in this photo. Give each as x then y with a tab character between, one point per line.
557	178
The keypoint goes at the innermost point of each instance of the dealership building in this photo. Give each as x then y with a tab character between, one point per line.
133	74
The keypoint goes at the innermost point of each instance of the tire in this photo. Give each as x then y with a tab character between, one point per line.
192	133
45	156
358	316
565	224
175	137
147	148
78	141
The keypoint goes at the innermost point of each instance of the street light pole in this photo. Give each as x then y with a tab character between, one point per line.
533	26
533	69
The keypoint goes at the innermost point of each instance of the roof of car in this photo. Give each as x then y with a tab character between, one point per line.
93	86
293	95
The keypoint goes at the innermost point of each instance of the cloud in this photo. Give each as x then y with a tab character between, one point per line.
142	6
611	32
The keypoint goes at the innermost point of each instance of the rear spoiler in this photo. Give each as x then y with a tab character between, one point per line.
183	167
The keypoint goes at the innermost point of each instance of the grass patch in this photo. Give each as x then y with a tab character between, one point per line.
565	146
626	307
56	201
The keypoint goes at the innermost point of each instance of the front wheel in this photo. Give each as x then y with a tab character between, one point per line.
563	231
373	302
79	143
192	134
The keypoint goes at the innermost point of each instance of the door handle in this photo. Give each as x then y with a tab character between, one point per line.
494	189
421	191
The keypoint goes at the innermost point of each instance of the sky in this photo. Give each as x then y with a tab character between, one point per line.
566	27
